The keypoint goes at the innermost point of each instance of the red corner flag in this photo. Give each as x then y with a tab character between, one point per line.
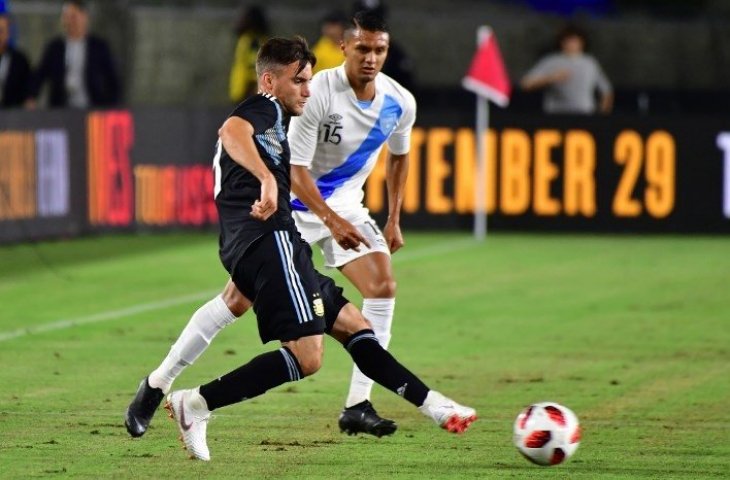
487	76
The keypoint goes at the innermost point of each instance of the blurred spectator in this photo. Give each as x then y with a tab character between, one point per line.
252	31
328	48
14	69
78	66
398	65
570	77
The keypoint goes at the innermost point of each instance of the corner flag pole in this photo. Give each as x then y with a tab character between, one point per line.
487	77
481	128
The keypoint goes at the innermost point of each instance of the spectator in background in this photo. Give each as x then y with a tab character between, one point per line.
570	78
78	66
398	65
14	69
328	48
252	31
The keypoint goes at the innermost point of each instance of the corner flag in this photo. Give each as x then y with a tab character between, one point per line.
487	76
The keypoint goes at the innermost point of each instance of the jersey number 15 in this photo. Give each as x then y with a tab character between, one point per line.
330	133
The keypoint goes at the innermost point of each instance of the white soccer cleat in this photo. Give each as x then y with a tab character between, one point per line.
448	414
189	410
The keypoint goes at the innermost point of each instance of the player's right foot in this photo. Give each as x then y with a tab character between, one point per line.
448	414
142	409
189	410
362	418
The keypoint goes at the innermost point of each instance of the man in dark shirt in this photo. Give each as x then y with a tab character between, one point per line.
14	69
78	66
270	264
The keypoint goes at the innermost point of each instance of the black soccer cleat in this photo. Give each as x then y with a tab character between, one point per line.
362	418
142	409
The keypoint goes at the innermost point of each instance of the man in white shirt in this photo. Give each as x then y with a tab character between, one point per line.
353	111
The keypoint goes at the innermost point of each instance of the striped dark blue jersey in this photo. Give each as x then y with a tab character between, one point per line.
236	189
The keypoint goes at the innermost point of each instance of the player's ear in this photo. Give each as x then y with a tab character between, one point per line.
267	81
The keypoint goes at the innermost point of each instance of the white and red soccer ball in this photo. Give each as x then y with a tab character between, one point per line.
547	433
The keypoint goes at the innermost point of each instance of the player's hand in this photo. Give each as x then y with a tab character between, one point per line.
345	233
267	204
393	236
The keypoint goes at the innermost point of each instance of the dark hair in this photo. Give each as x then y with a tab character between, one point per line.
336	16
80	4
571	30
370	21
279	52
253	19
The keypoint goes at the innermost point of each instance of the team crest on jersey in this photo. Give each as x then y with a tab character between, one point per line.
388	123
318	307
335	117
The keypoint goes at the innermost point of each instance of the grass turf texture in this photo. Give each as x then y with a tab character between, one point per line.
632	333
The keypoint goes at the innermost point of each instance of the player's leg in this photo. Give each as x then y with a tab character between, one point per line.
203	326
277	272
369	270
352	330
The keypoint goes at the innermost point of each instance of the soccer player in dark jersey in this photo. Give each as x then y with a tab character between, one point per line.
270	264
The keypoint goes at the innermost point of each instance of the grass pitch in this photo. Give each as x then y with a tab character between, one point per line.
632	333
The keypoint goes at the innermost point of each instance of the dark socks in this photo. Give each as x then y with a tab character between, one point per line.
262	373
375	362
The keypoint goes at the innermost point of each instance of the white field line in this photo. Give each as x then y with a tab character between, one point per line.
400	257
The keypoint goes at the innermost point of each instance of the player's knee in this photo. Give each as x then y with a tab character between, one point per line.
310	362
236	302
384	288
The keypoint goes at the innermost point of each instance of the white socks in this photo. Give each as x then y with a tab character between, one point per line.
379	311
204	325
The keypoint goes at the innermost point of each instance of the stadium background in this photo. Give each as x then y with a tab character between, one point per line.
658	163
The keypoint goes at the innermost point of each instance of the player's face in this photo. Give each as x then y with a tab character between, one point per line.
292	88
365	54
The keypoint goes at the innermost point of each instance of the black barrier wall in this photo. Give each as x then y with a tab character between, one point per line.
69	173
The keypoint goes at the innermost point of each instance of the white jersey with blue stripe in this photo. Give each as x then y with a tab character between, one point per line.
339	137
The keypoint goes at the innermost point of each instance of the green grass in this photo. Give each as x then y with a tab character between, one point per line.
632	333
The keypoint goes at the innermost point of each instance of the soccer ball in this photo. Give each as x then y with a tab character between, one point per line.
547	433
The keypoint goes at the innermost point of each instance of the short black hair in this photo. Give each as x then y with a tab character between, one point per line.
370	21
80	4
571	30
280	52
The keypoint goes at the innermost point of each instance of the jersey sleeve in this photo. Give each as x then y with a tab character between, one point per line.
259	111
304	129
399	142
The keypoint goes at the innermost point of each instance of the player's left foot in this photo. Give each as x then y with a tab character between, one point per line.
448	414
362	418
142	409
189	410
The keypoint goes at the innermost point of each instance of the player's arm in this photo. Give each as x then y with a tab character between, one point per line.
396	173
544	74
236	135
344	233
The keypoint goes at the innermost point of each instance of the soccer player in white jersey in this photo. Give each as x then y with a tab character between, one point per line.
353	111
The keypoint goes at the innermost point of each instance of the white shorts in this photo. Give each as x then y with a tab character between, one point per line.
314	232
